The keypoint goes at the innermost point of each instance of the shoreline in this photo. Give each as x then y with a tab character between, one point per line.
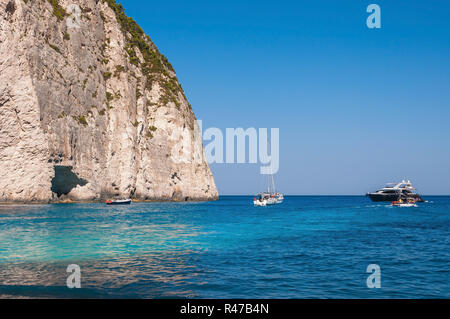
31	203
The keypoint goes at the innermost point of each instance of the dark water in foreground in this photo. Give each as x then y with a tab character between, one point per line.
308	247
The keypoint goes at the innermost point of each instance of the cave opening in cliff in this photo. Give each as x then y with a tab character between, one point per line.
65	180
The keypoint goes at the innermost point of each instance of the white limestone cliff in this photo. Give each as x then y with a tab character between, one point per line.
89	109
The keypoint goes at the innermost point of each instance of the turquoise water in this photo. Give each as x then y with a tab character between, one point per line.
308	247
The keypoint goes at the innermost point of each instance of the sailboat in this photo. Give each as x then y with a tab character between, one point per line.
271	197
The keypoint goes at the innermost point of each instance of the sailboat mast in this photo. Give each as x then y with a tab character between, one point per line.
271	173
273	184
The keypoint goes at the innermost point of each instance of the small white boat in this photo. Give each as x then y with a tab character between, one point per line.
405	203
118	202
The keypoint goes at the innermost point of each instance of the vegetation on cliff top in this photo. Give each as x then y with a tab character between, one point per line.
156	66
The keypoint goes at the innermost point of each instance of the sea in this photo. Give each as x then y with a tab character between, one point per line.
307	247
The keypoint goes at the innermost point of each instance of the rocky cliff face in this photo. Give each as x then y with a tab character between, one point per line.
89	109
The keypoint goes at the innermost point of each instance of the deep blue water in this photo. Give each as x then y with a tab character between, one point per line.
308	247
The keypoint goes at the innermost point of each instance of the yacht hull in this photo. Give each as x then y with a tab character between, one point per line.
383	197
392	197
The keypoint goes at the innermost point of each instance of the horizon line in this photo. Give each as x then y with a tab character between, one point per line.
335	195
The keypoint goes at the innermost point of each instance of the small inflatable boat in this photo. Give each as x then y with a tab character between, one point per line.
410	202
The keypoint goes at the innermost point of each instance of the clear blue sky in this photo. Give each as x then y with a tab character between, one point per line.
356	107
